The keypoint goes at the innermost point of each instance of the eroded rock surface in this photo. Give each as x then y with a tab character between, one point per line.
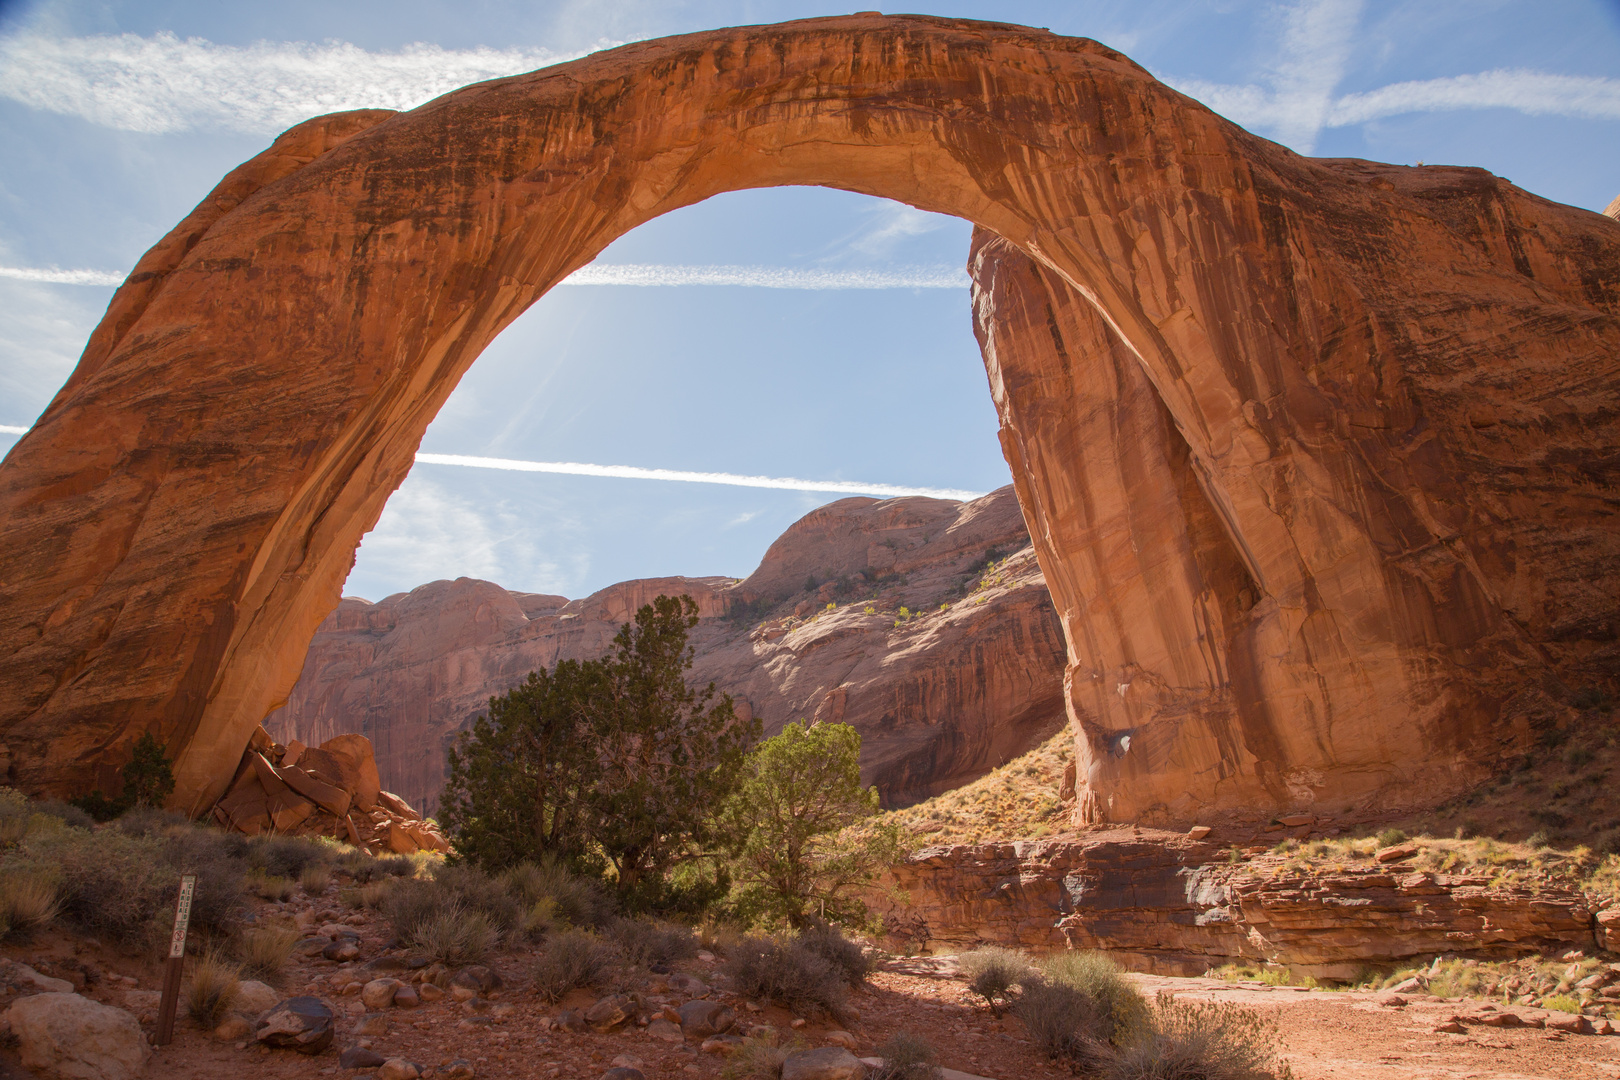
1396	389
1168	906
939	697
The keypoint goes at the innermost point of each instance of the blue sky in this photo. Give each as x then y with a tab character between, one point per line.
116	118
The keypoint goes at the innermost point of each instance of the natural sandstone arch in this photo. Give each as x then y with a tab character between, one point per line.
1365	414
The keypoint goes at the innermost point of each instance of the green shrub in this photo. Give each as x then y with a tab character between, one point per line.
843	954
1199	1041
112	886
1064	1021
568	959
760	1059
992	972
459	912
1099	978
268	886
216	904
397	865
647	944
66	813
783	970
212	991
1562	1003
148	781
906	1057
1390	837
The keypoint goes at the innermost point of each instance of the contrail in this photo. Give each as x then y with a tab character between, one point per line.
645	274
630	472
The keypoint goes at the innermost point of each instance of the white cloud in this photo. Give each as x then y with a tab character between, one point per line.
12	429
649	274
1297	101
1530	92
164	84
896	223
62	277
631	472
428	532
43	329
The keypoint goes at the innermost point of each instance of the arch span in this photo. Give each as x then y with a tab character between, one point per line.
1319	455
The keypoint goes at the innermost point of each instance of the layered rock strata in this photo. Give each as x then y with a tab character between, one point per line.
1396	391
1169	907
924	623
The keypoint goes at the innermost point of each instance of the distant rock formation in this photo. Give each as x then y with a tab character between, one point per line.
924	623
1613	209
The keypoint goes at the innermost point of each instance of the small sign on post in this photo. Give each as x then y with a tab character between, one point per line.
177	958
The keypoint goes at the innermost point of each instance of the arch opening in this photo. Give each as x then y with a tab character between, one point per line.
186	509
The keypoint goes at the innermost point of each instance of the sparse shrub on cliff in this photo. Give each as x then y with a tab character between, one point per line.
782	970
1198	1041
148	780
569	958
1391	837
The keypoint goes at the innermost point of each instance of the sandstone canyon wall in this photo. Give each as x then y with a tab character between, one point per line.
974	679
1396	391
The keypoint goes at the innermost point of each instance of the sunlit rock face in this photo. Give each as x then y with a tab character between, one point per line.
1396	391
971	680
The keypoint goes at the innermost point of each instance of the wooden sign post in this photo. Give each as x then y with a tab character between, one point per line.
177	959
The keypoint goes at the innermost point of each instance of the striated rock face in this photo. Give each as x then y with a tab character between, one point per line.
939	699
1163	906
1396	391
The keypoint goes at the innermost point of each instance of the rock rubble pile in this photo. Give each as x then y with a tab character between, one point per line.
330	790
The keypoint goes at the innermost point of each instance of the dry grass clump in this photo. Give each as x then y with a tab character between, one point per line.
1064	1021
1019	800
265	950
29	900
271	887
1199	1041
906	1057
315	878
212	990
783	970
568	959
761	1059
992	972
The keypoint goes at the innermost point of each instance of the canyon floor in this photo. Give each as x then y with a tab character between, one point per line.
510	1033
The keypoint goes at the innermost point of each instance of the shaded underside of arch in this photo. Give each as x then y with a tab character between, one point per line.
1320	456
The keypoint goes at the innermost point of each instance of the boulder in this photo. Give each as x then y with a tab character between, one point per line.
478	977
379	993
254	997
690	985
233	1027
341	950
664	1030
609	1012
841	1038
702	1018
304	1024
65	1035
823	1063
398	1068
372	1025
357	765
458	1069
360	1057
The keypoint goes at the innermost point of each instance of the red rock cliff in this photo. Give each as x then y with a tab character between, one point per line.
940	698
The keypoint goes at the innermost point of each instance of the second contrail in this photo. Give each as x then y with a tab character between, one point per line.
631	472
